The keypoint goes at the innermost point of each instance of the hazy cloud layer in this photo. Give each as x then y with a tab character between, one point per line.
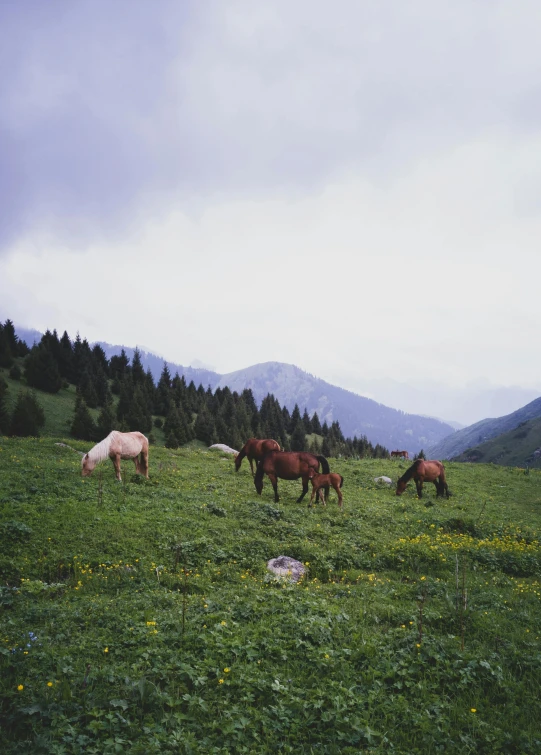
354	185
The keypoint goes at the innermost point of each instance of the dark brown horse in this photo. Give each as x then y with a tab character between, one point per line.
321	482
399	455
255	450
424	471
288	465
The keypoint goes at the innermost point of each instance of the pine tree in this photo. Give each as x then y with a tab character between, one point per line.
325	447
99	360
295	418
204	429
171	441
106	420
41	370
28	416
65	359
163	392
298	437
307	422
137	369
4	414
87	390
118	366
12	338
82	426
175	426
139	414
316	424
6	356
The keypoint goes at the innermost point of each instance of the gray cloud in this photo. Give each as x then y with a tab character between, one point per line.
110	110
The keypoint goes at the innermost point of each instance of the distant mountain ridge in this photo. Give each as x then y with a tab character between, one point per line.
290	385
357	415
518	447
482	431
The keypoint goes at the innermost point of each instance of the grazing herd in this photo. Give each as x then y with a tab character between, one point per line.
271	461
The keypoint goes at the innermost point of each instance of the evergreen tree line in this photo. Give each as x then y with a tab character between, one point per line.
184	411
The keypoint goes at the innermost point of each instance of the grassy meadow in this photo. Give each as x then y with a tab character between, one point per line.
139	617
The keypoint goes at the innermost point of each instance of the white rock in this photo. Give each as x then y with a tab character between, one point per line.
224	448
383	479
284	566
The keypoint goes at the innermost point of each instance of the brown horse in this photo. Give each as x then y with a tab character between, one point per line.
424	471
117	446
324	481
288	465
255	450
399	455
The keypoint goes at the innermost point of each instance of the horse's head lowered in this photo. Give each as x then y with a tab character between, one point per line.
400	486
87	465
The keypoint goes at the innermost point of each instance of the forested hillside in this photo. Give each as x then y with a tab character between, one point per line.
118	393
357	414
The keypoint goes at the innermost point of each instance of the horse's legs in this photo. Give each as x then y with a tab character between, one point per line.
116	463
251	464
144	465
339	494
312	496
304	488
321	492
419	484
274	483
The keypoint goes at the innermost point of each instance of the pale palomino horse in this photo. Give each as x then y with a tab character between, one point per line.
117	446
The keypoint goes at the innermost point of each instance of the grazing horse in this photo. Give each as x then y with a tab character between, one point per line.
118	446
324	481
288	465
399	455
255	450
424	471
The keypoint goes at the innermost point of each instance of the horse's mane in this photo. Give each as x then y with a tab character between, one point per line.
101	450
408	474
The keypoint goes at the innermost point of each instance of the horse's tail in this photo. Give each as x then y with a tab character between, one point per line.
324	464
239	457
443	487
341	480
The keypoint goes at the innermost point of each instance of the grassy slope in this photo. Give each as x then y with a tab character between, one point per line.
58	407
486	429
364	656
513	448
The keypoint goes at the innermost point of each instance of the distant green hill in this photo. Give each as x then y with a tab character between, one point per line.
516	448
484	431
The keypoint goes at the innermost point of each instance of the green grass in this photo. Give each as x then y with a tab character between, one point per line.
156	627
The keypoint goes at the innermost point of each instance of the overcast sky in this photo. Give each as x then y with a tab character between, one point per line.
352	187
